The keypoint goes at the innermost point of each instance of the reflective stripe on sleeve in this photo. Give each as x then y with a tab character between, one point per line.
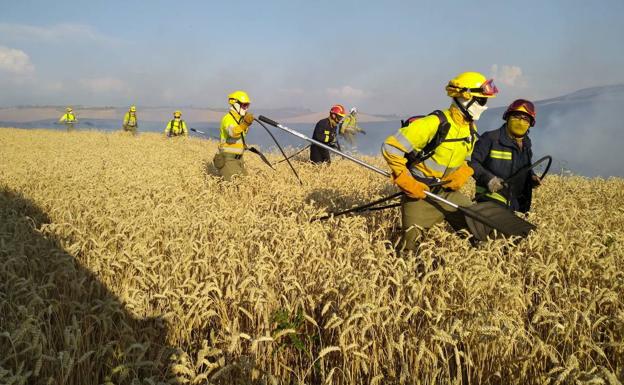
404	142
391	150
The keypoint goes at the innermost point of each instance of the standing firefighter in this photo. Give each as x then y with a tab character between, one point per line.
499	157
234	127
325	132
69	119
130	123
177	126
437	147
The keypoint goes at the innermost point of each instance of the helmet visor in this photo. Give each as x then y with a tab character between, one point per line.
522	105
488	88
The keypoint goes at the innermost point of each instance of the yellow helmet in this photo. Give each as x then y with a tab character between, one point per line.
239	96
177	114
470	84
68	109
132	108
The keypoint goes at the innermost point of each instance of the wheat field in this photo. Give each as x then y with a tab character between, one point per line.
125	260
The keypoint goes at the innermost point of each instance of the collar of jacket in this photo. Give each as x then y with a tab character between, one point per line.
457	116
507	141
236	115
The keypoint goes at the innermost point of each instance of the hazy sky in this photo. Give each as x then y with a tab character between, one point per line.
383	56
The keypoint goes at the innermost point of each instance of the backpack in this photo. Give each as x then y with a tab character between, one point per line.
415	157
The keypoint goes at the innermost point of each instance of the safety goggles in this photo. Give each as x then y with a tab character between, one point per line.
488	88
521	115
521	103
244	106
482	101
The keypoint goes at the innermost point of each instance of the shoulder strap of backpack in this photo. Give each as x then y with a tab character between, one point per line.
406	122
440	136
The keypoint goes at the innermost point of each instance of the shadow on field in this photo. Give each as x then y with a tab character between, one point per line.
58	323
336	200
210	169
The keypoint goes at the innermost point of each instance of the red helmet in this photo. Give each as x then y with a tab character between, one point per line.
521	106
338	109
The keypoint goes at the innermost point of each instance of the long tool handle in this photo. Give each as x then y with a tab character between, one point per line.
280	148
198	131
356	160
466	210
323	145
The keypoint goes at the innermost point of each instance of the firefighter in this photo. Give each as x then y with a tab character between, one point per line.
500	156
434	149
177	126
234	127
325	132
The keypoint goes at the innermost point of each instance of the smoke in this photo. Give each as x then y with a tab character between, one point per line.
582	131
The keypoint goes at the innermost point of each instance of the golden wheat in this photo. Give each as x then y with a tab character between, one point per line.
125	260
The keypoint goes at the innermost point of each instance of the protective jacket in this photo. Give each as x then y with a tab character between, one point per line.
233	131
447	157
176	127
68	118
497	154
324	133
130	120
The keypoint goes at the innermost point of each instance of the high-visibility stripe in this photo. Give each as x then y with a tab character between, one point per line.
404	142
392	150
326	136
487	193
434	166
504	155
229	140
232	150
417	173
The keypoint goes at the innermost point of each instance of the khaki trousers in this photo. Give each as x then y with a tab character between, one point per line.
228	165
421	214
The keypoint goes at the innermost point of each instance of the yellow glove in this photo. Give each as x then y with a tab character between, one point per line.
411	187
458	177
247	119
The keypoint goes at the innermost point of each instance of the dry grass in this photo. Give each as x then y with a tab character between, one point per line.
124	260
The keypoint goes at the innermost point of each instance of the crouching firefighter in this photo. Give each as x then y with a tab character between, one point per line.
502	158
234	127
434	149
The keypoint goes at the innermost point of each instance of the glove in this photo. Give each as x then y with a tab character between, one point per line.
458	178
536	181
495	184
248	119
411	187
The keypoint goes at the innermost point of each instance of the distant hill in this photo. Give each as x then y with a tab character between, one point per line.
582	130
26	114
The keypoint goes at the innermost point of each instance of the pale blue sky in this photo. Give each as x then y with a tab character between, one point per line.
384	57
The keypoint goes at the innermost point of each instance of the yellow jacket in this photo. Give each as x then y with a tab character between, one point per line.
233	131
447	157
68	118
176	127
130	120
